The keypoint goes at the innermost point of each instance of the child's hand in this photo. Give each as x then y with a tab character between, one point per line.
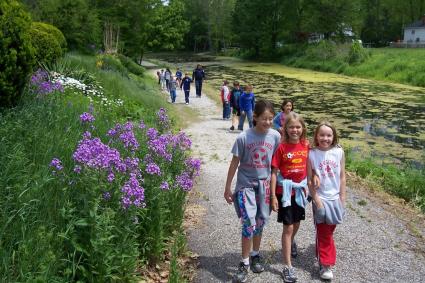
342	199
315	182
228	196
275	204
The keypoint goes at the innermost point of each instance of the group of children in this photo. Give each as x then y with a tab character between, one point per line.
279	170
170	82
238	102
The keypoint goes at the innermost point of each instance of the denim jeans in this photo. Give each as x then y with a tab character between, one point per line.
198	86
244	114
173	95
226	110
186	95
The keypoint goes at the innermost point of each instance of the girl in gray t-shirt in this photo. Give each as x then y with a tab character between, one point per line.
252	156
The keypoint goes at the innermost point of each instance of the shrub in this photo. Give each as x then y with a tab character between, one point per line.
357	54
50	29
111	63
47	48
131	66
16	52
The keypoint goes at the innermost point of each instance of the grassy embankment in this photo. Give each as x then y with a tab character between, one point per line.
69	221
405	66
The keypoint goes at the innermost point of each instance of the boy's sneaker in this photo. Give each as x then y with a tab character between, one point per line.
288	275
326	273
242	273
294	250
232	128
257	264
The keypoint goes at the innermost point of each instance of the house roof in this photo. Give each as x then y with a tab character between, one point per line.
417	24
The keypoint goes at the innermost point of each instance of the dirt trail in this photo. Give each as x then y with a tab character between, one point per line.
380	241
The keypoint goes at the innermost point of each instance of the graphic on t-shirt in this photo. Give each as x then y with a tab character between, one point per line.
326	168
259	157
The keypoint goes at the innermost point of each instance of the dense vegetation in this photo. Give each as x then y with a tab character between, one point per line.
93	176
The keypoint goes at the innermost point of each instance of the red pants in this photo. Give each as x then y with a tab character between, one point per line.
325	245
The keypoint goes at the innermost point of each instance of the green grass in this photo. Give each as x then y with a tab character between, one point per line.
403	181
397	65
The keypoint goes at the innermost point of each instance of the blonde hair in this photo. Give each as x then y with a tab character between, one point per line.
293	117
329	125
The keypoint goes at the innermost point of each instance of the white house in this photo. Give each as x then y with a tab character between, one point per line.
415	32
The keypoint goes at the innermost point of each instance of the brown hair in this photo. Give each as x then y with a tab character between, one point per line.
294	117
260	107
329	125
285	101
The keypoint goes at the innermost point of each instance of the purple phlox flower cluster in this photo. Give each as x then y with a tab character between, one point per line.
86	135
164	186
111	177
163	120
153	169
114	131
184	181
77	169
87	118
133	193
182	141
152	133
94	154
41	84
106	195
132	163
159	146
129	140
56	164
148	159
142	125
194	165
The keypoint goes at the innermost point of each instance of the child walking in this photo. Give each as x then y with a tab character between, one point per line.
252	155
289	188
327	161
234	103
225	99
173	89
287	107
185	85
246	105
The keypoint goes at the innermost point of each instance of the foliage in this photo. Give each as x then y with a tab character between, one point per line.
70	213
357	53
46	46
403	181
111	63
131	66
60	38
16	52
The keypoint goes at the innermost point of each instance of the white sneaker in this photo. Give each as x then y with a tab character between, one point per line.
326	273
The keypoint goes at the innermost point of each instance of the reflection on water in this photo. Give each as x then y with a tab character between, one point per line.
380	118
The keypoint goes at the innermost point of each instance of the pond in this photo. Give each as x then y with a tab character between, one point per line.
378	119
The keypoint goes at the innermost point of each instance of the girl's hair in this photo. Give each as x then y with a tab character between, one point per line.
260	107
285	101
327	124
236	83
293	117
225	82
248	87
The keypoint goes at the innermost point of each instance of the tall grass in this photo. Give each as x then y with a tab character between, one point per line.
403	181
57	225
396	65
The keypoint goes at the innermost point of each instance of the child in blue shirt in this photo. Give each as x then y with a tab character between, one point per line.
246	106
185	85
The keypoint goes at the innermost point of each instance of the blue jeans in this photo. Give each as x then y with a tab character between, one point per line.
244	114
173	95
198	86
186	95
226	110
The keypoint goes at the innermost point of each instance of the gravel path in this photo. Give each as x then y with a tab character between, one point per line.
382	239
376	243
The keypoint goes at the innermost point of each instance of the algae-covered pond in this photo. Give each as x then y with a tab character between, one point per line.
378	119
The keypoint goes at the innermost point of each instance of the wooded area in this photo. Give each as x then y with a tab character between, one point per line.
256	26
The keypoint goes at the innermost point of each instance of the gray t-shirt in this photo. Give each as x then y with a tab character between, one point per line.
255	151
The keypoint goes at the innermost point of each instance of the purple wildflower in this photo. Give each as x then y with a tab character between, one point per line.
114	131
153	169
164	186
106	195
111	177
129	140
184	181
182	141
194	165
87	118
77	169
152	133
56	164
133	193
142	125
86	135
163	120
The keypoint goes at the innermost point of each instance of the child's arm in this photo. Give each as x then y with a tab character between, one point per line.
228	196
342	191
274	202
313	186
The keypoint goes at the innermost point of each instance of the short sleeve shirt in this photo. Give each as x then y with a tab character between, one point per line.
291	160
255	151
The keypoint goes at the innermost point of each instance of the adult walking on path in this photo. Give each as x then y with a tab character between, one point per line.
381	240
198	76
